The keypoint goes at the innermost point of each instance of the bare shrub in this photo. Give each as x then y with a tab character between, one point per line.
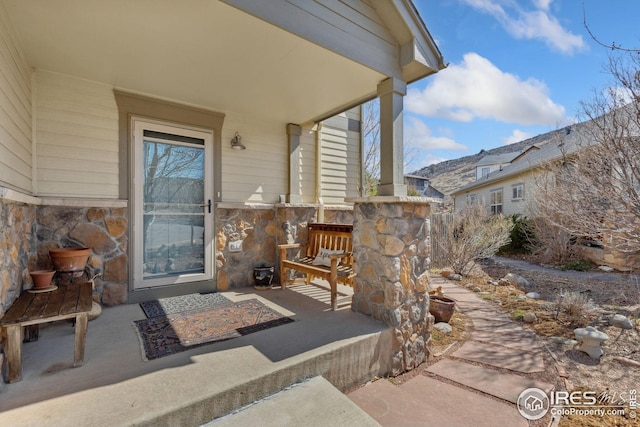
473	234
575	306
592	191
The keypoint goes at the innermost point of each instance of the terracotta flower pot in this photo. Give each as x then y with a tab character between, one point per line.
69	259
42	278
441	308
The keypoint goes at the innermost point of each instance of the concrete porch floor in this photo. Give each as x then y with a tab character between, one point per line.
117	387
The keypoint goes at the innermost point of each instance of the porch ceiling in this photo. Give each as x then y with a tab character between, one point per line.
199	52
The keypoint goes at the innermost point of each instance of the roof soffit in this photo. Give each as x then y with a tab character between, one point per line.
206	54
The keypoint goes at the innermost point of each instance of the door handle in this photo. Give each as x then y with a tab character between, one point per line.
208	205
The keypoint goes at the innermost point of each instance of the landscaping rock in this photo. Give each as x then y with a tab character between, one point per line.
521	297
533	295
606	268
620	321
562	340
443	327
530	317
517	281
455	277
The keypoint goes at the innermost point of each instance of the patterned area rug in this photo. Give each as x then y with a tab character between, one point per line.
165	306
165	335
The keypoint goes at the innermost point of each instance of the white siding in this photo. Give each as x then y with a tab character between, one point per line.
509	205
260	173
76	137
15	111
340	158
77	149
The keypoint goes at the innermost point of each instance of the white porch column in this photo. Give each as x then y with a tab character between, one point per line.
293	136
391	93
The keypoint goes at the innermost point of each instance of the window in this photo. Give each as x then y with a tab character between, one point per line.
485	172
517	192
496	201
471	199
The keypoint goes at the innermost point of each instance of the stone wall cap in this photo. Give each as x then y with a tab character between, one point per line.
242	205
20	197
394	199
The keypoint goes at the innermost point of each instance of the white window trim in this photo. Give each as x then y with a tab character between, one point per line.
516	187
493	205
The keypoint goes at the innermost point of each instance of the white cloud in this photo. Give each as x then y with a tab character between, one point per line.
542	4
516	136
536	24
477	88
417	134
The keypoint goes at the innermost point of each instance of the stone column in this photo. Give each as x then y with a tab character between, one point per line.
391	93
391	250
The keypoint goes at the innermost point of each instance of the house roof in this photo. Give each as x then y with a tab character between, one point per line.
496	159
553	145
292	62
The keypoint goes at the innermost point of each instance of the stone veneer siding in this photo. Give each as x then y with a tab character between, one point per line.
103	230
391	250
17	250
247	236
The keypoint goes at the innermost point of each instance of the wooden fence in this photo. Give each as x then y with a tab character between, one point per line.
440	223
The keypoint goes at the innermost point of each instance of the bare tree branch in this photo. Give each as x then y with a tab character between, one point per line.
611	46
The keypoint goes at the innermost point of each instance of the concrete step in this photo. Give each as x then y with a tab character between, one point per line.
312	403
424	401
504	385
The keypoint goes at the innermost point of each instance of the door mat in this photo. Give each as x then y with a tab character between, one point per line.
171	305
165	335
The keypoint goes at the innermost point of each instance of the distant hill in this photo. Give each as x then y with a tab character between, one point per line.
450	175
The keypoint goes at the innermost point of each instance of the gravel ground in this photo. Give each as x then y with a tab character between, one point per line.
617	372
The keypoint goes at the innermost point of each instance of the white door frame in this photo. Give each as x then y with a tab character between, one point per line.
138	125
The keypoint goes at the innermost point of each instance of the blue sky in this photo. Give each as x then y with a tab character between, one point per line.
517	68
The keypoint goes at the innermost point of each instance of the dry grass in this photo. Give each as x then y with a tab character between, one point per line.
441	342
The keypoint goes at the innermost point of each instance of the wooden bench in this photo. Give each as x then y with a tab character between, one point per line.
333	237
31	309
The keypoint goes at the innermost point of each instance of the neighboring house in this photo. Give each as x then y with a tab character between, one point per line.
508	189
504	189
422	185
123	123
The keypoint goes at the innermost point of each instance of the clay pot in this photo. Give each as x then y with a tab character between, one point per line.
69	259
441	307
42	278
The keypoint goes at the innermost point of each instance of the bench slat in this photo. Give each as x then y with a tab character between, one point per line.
334	237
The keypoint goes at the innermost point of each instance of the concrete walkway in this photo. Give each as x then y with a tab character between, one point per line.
477	385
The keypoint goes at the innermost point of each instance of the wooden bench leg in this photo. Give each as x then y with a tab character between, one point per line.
13	353
82	320
333	281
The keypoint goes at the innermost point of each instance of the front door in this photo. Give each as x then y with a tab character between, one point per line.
172	207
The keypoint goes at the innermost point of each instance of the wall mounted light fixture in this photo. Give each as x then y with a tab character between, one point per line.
236	142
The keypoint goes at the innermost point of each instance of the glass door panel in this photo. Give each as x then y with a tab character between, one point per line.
173	202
